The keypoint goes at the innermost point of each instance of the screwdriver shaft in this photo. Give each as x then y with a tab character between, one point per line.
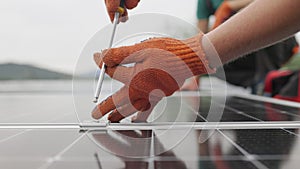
102	71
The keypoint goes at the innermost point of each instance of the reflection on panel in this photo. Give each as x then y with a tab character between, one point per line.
264	142
217	152
273	147
177	148
240	110
225	149
33	148
195	108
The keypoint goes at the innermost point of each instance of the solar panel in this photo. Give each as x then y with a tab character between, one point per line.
253	132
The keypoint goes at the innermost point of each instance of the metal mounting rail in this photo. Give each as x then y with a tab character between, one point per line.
154	126
39	126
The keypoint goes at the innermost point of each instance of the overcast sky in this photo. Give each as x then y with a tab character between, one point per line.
52	33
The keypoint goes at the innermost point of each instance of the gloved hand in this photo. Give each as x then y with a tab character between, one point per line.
161	67
112	7
223	13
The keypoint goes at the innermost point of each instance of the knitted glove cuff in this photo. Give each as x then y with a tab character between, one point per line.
191	52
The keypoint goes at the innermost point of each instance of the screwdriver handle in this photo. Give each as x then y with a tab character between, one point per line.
121	8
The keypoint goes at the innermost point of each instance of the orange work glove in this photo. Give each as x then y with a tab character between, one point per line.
112	7
223	13
161	65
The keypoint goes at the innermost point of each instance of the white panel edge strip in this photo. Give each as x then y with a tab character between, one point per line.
158	126
269	99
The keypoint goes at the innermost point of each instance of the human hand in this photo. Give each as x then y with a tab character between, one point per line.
112	8
223	13
161	65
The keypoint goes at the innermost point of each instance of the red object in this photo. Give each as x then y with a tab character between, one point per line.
296	49
274	75
284	85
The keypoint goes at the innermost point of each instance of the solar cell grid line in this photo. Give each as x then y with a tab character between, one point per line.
288	131
199	115
98	160
269	108
231	109
258	119
273	147
193	110
59	154
21	132
243	113
249	156
240	112
13	135
256	163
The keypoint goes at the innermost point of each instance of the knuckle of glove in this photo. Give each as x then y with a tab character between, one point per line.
150	82
112	5
130	4
110	57
97	59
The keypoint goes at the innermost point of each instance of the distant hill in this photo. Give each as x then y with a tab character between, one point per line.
11	71
93	74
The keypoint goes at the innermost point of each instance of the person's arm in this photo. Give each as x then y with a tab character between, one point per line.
228	9
161	65
203	25
237	5
203	14
260	24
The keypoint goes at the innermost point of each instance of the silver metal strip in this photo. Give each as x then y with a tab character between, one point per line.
245	96
270	100
157	126
39	126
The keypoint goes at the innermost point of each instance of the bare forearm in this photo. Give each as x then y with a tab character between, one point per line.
260	24
237	5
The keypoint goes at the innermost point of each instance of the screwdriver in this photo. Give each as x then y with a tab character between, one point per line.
119	12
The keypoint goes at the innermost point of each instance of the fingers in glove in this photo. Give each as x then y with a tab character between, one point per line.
128	54
125	55
127	110
124	74
142	116
112	58
98	59
121	73
112	8
112	102
130	4
124	16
